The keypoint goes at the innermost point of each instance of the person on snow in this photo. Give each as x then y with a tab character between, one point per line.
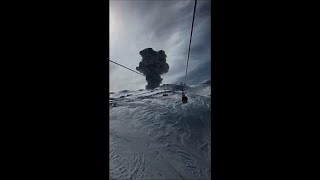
184	98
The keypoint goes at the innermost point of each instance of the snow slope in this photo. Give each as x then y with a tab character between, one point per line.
157	137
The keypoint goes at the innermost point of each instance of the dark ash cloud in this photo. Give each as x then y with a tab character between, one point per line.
153	65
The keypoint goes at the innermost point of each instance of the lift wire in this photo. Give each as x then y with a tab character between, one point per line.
194	12
126	68
130	69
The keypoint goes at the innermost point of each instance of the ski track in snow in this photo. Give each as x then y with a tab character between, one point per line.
158	137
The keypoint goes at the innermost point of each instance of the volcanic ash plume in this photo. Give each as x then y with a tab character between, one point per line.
153	65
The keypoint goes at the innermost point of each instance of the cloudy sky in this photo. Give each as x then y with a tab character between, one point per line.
161	25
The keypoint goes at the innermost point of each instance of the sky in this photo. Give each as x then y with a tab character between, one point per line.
161	25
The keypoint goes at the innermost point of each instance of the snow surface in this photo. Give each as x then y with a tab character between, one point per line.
158	137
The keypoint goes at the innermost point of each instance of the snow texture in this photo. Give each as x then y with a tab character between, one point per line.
158	137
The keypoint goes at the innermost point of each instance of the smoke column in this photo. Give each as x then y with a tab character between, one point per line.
153	65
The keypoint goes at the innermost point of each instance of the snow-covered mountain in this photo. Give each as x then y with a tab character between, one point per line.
158	137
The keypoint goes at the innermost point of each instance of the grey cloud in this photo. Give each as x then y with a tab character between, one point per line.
159	25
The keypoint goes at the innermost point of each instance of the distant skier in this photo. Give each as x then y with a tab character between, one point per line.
184	98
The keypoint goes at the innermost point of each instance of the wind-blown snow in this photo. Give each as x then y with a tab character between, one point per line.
158	137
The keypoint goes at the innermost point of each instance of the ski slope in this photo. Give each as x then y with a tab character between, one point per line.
158	137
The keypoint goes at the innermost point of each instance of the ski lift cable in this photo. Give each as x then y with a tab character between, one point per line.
129	69
126	68
194	12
